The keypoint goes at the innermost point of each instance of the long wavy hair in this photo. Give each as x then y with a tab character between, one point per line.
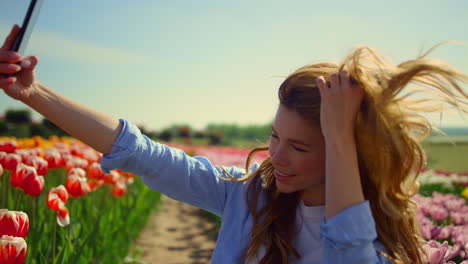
390	119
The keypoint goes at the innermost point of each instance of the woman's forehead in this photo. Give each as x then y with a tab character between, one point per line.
290	123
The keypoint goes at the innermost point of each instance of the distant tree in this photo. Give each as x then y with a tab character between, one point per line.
166	134
40	130
18	116
53	128
216	137
3	128
199	134
183	131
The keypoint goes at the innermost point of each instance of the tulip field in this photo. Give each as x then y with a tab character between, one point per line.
57	206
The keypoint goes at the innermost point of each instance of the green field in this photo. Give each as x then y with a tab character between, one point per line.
447	157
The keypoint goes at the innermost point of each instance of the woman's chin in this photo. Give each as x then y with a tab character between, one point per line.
282	188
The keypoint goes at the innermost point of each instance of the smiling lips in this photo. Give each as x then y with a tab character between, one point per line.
282	177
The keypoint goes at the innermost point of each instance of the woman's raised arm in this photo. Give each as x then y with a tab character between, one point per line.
96	129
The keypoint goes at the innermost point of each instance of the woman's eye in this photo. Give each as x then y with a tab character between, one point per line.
274	136
299	149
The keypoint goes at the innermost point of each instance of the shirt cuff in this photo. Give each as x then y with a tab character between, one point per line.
351	227
125	144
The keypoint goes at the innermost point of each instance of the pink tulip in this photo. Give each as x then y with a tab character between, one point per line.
439	213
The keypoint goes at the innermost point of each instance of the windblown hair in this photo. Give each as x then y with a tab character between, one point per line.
388	131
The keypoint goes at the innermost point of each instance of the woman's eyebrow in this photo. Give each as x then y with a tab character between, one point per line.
296	141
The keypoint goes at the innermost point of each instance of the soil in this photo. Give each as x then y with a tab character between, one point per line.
176	234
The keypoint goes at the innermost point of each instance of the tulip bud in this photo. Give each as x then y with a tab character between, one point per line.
57	197
119	189
76	162
77	171
112	177
95	172
76	186
32	184
12	250
63	218
13	223
19	173
94	185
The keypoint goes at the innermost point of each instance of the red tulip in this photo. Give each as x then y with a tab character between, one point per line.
39	163
13	223
77	171
12	250
63	218
112	177
53	158
19	173
8	146
119	189
11	161
76	162
3	157
94	185
33	184
76	186
57	197
23	153
95	172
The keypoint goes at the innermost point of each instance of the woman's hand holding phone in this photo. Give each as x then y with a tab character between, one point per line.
17	76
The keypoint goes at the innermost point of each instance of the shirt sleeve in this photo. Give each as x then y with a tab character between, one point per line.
350	237
170	171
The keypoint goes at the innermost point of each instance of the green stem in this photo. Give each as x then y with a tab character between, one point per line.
4	191
53	242
17	201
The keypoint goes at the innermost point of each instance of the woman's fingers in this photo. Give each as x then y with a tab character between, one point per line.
334	81
4	82
9	56
9	68
26	76
322	85
30	62
10	38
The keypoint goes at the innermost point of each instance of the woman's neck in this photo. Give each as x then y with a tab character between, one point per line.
314	196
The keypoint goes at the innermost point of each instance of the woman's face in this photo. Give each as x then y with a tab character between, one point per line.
297	151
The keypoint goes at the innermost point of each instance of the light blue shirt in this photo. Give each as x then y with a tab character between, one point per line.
349	237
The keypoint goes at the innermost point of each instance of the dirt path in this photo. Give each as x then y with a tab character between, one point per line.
177	234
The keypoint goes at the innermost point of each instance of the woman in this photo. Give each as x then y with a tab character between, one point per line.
344	153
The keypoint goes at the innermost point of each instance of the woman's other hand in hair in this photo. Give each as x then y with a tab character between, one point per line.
338	110
16	73
339	106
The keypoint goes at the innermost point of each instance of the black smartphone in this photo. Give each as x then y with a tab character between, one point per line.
21	41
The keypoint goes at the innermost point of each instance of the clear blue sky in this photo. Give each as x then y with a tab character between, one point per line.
158	63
